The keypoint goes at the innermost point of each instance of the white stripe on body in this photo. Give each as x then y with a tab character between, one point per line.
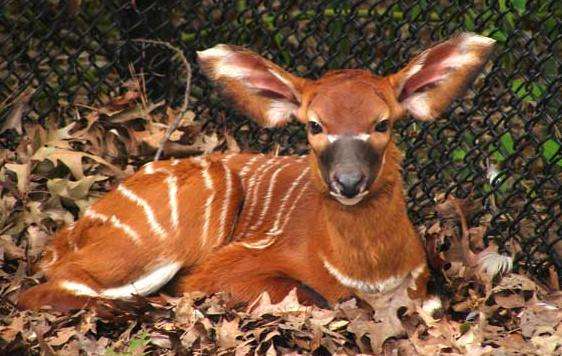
172	184
115	222
280	230
145	285
264	243
285	200
78	289
255	182
383	286
268	196
246	168
252	190
260	244
225	204
152	221
208	181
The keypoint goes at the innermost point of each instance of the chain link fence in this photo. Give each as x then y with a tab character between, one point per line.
501	143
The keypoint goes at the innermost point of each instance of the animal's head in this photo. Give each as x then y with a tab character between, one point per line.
349	113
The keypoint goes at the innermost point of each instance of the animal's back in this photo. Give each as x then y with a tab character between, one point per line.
171	214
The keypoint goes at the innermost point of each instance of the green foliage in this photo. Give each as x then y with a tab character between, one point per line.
136	346
551	151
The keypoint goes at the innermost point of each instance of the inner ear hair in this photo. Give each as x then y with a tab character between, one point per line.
258	88
434	78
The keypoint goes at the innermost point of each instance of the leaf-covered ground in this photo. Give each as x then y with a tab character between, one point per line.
51	171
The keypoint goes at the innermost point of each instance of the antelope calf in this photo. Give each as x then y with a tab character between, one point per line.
330	224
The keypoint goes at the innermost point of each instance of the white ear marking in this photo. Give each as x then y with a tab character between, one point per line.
286	82
415	68
418	104
217	51
460	60
279	112
471	39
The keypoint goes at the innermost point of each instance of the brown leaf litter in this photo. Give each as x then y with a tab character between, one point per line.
53	172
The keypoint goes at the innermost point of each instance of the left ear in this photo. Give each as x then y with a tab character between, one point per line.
434	78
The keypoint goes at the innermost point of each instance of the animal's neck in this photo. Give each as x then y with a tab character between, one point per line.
374	239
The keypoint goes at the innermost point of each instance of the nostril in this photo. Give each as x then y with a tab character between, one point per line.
349	182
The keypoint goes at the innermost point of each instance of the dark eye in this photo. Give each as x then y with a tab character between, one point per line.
314	128
381	126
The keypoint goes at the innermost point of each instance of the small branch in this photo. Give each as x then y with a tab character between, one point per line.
186	94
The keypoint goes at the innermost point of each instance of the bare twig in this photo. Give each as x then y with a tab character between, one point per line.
187	91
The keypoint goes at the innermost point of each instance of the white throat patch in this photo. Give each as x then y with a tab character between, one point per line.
368	287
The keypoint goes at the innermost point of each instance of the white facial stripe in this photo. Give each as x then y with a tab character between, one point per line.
361	136
333	138
151	218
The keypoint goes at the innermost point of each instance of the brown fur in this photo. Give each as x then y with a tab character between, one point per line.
371	241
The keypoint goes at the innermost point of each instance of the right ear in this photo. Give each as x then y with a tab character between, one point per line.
259	88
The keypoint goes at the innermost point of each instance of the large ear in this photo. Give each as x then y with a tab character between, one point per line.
259	88
434	78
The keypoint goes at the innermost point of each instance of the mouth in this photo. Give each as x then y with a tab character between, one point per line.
349	201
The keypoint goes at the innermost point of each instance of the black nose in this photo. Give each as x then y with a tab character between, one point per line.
349	182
